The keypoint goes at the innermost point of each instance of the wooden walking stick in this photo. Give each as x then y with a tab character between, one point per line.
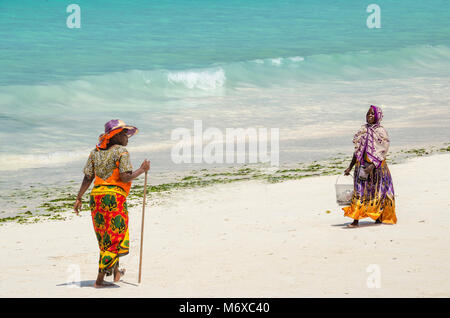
142	227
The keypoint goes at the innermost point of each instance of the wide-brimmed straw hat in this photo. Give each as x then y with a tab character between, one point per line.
114	124
113	127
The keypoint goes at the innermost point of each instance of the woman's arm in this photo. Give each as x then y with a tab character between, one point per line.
87	180
129	175
350	167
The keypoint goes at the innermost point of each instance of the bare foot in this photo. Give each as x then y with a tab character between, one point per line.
102	284
99	283
354	224
118	274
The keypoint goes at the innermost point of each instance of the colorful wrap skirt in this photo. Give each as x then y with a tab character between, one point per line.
110	219
374	197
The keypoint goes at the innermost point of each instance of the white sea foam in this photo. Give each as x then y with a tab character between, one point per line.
258	61
144	86
277	61
296	92
11	162
202	79
296	59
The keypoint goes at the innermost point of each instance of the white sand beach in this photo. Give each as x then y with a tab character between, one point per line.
250	239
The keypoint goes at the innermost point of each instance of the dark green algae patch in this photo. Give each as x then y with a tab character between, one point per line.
60	205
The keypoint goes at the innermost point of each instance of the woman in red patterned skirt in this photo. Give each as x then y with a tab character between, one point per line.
110	168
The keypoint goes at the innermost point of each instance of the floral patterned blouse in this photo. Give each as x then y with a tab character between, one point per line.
103	162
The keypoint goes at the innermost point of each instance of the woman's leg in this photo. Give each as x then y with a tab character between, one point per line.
354	224
124	240
98	222
100	280
118	274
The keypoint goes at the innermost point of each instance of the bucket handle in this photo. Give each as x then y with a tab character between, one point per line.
337	179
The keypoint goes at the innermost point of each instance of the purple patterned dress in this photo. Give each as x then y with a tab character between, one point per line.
373	197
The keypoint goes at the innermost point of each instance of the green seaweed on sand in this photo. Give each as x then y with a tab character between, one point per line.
189	178
11	218
315	167
244	171
57	217
218	174
166	187
418	152
67	198
275	179
50	207
54	202
239	172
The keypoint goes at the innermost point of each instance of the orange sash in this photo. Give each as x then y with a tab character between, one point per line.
114	179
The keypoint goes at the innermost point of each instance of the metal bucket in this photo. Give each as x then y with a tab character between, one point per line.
344	193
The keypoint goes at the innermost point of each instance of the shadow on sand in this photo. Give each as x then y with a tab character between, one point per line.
90	283
361	224
87	283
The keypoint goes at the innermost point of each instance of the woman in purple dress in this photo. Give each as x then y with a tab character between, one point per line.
373	188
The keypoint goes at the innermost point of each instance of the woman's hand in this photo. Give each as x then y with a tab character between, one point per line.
370	168
130	175
145	166
77	206
347	171
87	180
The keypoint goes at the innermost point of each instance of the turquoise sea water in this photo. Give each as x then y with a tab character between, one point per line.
309	68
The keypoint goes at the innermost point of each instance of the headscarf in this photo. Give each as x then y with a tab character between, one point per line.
113	127
103	140
378	114
372	140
